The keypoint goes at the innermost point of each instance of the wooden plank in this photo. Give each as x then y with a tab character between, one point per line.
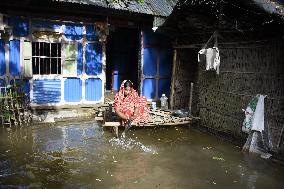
99	118
111	124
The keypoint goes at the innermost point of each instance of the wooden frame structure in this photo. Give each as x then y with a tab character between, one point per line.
105	114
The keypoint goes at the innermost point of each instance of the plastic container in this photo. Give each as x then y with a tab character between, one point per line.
164	102
154	105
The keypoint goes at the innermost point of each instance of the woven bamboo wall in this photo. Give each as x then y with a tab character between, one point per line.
245	70
186	72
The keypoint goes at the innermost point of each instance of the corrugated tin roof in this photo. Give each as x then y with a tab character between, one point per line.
271	6
151	7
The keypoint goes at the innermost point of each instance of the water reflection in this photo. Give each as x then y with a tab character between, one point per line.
82	155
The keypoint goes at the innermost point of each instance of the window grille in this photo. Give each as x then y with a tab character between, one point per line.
46	58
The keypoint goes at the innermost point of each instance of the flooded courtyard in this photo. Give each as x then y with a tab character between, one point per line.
83	155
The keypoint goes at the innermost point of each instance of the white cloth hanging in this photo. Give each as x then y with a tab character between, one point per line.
216	63
212	58
258	119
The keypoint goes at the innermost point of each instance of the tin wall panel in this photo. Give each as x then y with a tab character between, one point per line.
73	90
14	57
149	88
93	89
93	58
2	58
46	91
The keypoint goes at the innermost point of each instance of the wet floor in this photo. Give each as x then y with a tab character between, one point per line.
83	155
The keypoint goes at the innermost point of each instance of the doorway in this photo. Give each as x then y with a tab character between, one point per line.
122	57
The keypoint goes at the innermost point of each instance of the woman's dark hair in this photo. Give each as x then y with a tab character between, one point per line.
128	84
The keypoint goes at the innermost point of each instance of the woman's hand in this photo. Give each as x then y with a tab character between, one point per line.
121	115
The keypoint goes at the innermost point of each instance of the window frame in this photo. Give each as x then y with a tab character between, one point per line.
39	56
63	58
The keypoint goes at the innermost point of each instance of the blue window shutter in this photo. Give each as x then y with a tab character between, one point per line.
2	58
14	57
20	26
93	58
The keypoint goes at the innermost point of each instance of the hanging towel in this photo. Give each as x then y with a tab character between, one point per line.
212	58
216	63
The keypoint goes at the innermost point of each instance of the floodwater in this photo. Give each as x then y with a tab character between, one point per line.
83	155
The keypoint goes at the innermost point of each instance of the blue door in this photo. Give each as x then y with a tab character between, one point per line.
156	65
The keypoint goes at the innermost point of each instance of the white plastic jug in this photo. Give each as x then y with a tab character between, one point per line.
164	102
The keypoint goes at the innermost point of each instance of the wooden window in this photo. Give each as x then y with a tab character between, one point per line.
27	64
46	58
70	63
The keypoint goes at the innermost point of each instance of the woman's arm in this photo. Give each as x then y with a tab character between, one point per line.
135	114
120	114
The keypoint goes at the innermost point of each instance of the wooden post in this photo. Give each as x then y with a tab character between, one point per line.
173	80
190	97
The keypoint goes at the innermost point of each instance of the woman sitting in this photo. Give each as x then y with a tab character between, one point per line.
129	106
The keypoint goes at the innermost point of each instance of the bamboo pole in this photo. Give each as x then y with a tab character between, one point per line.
190	98
173	80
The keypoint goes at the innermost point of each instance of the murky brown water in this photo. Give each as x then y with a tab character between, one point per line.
85	156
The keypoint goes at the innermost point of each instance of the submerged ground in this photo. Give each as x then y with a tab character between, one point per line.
83	155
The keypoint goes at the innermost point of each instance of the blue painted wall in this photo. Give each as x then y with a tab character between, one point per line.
46	91
166	59
150	58
91	33
73	32
49	90
149	88
93	59
2	58
20	26
73	90
93	89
